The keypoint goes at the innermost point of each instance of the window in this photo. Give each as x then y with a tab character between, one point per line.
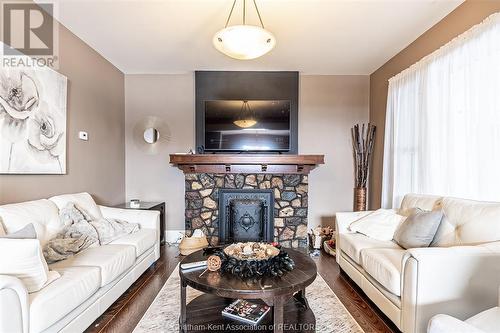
442	131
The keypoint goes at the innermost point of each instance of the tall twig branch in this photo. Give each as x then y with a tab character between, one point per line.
362	149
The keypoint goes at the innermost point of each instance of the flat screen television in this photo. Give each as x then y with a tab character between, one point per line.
247	125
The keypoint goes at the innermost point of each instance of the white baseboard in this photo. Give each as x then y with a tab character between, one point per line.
174	236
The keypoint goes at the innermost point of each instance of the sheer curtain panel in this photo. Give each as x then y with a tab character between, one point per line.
442	131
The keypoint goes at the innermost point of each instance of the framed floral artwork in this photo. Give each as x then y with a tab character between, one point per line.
32	121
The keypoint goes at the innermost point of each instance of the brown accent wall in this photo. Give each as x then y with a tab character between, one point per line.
458	21
96	105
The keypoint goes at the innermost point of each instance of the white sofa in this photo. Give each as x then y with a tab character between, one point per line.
90	281
458	275
487	321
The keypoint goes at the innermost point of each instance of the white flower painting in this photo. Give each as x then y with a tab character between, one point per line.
32	121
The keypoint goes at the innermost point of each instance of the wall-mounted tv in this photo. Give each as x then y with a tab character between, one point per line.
247	125
272	96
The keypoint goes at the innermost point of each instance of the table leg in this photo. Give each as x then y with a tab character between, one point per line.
182	318
300	297
278	314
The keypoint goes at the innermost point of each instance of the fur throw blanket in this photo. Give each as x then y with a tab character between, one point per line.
81	231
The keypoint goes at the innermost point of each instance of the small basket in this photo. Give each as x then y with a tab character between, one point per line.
189	245
328	249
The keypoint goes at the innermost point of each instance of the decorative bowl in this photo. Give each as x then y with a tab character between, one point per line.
253	260
251	251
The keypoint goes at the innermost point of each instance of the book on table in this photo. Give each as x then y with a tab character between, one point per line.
245	311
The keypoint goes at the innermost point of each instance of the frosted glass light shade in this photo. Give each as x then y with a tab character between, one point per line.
244	41
245	123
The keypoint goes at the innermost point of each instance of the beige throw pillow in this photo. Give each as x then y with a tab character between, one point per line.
419	229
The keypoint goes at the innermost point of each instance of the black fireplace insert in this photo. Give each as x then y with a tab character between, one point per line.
246	215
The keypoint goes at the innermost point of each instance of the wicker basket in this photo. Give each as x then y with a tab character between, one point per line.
189	245
328	249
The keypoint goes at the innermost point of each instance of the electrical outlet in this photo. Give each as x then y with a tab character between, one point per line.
83	136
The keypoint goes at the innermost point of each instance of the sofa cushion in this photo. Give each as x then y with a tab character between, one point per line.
82	200
112	260
43	214
487	321
468	222
422	201
384	265
141	240
353	244
59	298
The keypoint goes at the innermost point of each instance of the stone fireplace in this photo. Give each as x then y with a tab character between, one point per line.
238	197
285	219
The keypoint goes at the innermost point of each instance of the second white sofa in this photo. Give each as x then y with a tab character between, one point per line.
90	281
458	275
487	321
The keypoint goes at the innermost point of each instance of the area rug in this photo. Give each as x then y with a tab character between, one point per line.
163	314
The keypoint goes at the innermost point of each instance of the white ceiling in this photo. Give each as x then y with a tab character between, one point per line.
313	36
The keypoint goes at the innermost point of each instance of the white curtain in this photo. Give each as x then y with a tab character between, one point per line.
442	132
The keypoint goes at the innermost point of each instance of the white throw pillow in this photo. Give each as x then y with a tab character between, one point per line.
381	224
23	259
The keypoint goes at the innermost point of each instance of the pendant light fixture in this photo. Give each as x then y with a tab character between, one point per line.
244	41
246	118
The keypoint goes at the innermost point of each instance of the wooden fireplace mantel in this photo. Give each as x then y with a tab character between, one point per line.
246	163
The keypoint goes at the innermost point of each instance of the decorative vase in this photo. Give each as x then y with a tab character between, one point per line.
359	198
363	139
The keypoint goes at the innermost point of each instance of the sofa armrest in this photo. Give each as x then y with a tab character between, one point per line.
13	305
448	324
460	281
342	222
149	219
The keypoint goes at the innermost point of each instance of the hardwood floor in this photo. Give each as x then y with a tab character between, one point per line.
368	316
126	312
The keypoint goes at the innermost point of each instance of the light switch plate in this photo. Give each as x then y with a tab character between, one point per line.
83	135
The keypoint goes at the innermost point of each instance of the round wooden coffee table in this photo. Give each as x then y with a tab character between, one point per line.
286	295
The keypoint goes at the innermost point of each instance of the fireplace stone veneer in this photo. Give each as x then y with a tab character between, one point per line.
290	203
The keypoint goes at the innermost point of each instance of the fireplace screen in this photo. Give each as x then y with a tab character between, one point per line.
245	215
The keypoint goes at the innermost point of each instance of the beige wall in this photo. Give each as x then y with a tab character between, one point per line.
96	105
151	177
329	106
457	22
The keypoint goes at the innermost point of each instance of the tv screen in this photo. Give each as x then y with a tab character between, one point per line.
247	125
